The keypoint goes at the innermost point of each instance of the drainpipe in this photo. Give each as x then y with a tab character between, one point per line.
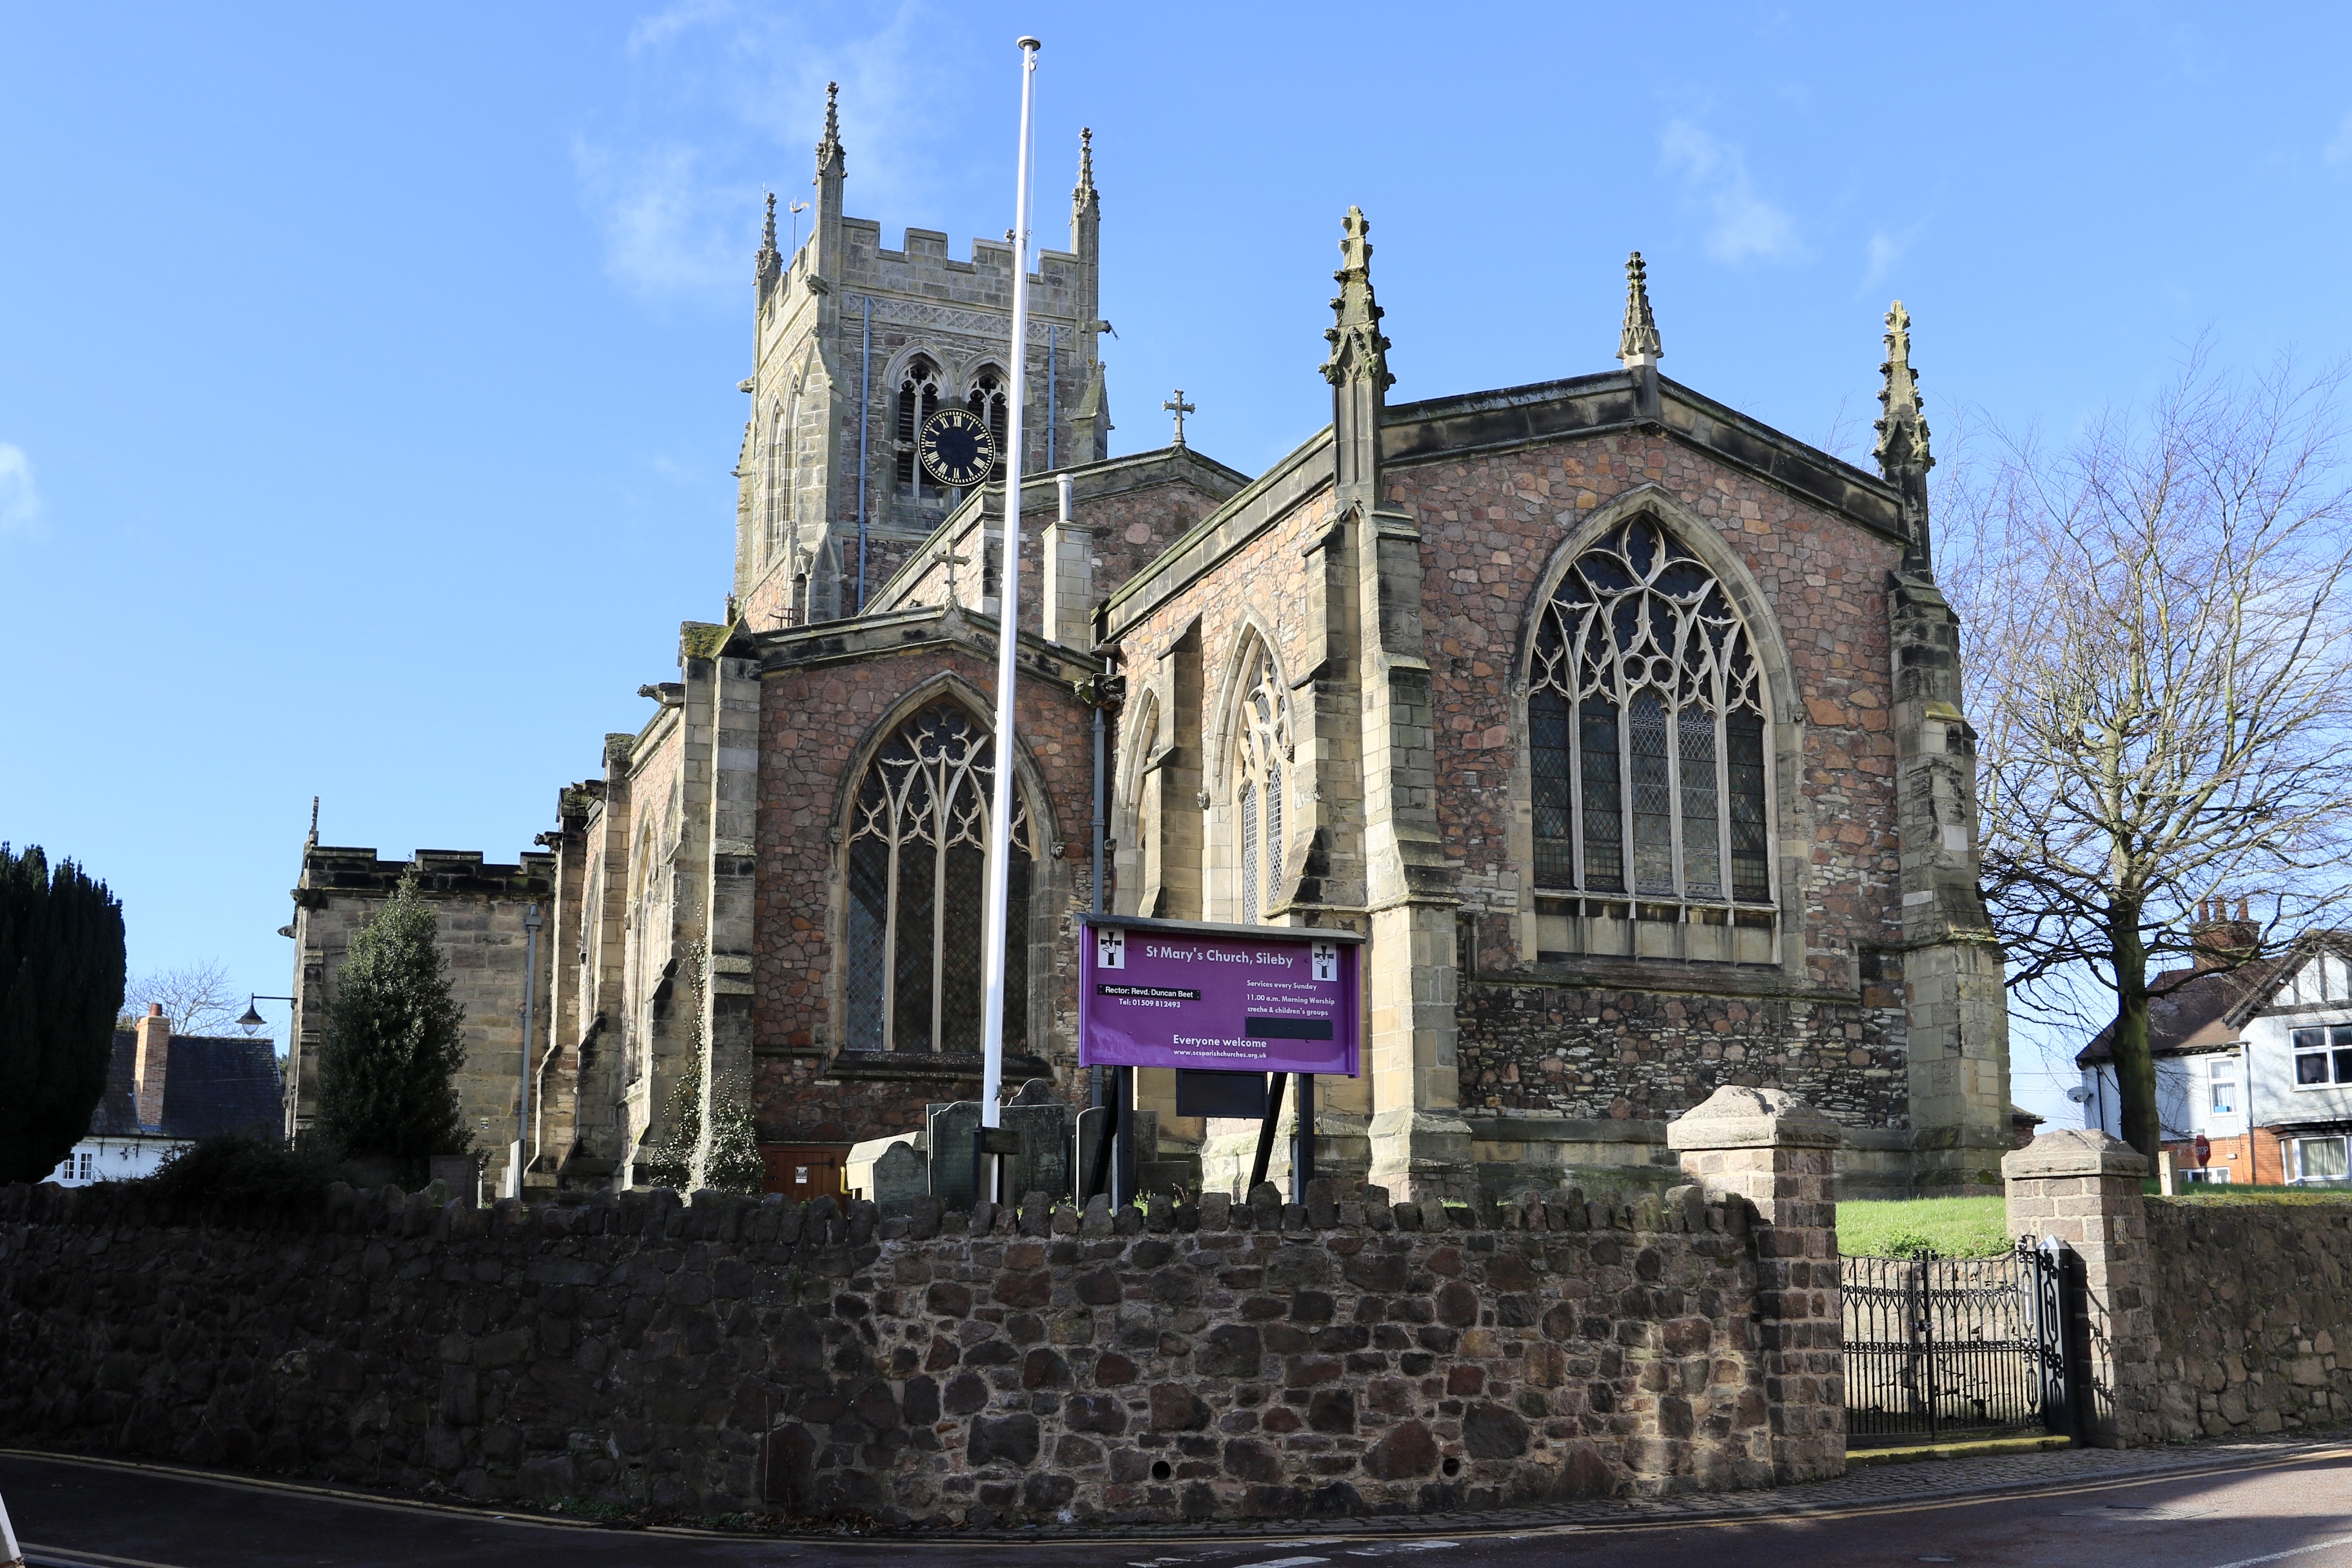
531	922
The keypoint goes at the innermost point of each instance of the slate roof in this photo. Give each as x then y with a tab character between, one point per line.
2211	1009
212	1084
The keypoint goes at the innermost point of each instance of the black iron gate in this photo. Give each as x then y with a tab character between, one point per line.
1944	1347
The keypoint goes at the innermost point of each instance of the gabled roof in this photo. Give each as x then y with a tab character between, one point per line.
212	1085
2213	1008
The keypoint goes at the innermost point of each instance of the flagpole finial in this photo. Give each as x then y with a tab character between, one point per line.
1028	44
1637	340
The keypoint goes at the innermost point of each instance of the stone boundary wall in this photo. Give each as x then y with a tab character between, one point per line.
2198	1320
1217	1360
2253	1307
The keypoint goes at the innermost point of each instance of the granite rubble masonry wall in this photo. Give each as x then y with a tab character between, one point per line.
1216	1361
2253	1317
2204	1321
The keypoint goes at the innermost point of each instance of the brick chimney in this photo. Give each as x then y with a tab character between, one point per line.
147	1074
2221	942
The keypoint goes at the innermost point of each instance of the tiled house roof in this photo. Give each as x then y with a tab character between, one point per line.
211	1085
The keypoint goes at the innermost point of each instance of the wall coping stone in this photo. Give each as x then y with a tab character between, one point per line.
2072	1151
1734	1117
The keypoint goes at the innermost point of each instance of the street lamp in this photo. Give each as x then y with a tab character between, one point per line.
253	1019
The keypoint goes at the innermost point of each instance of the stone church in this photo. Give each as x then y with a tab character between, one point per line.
1624	727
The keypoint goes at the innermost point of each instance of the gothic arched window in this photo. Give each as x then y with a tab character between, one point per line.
779	483
1645	722
918	399
1261	748
987	400
918	847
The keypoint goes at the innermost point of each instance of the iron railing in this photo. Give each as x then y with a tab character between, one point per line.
1939	1347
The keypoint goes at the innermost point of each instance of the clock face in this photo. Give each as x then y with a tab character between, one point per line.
956	448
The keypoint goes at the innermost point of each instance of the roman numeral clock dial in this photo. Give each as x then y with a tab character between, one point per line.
956	448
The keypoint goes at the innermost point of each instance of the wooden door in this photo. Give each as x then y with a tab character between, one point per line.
801	1171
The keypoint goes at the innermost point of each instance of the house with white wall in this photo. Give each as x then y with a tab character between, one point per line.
163	1092
2256	1061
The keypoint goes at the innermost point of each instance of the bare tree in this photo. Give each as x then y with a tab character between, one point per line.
2157	666
196	997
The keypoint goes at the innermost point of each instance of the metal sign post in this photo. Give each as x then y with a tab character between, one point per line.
1225	1001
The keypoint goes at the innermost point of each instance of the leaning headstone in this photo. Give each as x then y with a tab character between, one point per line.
899	1179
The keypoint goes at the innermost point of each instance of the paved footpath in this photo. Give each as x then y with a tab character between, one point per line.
2207	1506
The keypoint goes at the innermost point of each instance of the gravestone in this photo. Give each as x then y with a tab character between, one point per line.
953	1127
1042	1163
899	1179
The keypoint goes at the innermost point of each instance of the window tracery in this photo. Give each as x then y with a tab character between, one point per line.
918	399
918	847
987	401
1645	720
1261	750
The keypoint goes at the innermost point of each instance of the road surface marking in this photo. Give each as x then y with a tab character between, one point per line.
2290	1551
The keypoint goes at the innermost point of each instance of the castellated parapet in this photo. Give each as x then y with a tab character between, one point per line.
479	908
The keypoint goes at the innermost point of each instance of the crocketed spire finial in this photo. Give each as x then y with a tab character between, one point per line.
1083	194
1902	429
1356	347
1637	343
769	261
828	151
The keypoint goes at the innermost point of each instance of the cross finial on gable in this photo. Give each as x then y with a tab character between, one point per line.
1637	340
1177	406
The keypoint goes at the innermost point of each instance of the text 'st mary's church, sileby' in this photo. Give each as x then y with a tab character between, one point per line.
1623	727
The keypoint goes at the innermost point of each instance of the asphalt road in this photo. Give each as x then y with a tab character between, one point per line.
75	1515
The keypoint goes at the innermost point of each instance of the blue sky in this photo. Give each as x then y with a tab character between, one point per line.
367	383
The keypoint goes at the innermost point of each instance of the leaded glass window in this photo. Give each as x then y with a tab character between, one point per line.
916	871
1660	777
987	401
918	399
1261	747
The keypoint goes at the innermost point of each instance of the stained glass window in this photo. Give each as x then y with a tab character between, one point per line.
1665	771
1261	747
917	884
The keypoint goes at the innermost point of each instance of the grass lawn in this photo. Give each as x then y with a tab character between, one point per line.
2230	1195
1904	1228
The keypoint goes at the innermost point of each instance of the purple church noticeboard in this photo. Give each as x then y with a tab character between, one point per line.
1277	999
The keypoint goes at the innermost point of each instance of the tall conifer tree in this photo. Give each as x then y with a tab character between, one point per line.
61	966
393	1041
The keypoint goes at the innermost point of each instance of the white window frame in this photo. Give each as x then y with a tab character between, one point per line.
2333	1053
2221	1071
2299	1178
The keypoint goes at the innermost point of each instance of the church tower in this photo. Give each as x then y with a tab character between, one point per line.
855	346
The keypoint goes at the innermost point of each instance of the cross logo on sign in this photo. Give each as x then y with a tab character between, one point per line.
1110	948
1325	955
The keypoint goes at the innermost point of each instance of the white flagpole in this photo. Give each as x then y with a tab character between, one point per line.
1008	637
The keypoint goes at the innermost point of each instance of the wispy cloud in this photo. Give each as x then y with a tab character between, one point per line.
2339	149
1743	225
20	502
727	100
1883	250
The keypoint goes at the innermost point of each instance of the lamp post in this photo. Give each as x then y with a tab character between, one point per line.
253	1019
